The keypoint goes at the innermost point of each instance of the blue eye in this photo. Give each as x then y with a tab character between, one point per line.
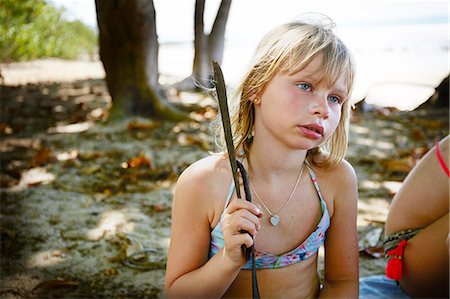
304	86
334	99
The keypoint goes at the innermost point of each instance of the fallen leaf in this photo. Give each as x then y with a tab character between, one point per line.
56	284
139	162
43	156
135	248
135	125
400	165
190	140
7	181
417	134
419	152
5	129
160	208
111	272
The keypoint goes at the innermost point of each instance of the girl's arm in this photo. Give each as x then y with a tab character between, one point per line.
189	273
341	243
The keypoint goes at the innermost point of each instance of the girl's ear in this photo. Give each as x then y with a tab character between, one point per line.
254	99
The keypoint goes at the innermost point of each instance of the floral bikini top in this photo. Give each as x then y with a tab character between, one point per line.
267	260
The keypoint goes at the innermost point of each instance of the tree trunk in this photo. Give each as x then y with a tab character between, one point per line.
129	52
207	47
200	44
216	39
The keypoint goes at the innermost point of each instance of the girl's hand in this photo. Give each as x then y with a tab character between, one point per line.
239	223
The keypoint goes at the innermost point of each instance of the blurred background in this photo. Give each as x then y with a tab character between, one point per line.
401	47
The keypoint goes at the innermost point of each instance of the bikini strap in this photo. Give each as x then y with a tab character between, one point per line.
230	193
441	160
314	180
230	190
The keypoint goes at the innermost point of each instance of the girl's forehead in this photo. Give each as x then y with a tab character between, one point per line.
317	72
315	65
317	75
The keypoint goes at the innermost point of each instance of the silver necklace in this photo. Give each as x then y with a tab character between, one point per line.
275	217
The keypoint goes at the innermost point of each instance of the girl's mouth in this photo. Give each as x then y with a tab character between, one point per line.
314	131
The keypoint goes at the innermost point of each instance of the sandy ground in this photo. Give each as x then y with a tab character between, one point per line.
85	207
50	70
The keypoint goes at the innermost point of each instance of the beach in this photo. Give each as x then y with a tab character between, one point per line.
85	206
85	209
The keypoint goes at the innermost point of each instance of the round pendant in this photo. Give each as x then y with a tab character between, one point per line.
274	220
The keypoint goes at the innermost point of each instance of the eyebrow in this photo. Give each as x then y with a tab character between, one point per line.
314	79
308	76
342	91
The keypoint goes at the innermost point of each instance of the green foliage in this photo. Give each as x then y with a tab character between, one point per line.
31	29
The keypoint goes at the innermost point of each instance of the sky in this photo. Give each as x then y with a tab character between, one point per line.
259	16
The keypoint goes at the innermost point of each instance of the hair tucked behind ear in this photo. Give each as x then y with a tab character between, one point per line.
290	48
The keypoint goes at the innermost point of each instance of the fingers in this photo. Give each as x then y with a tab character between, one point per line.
241	219
244	239
238	203
240	223
242	216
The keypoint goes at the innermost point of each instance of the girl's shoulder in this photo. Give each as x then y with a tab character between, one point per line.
344	172
205	185
338	183
339	174
208	170
207	178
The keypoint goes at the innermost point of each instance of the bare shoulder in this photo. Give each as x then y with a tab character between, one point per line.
340	175
344	173
205	172
345	186
204	184
338	185
343	180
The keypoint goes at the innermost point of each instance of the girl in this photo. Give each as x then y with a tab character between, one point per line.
292	104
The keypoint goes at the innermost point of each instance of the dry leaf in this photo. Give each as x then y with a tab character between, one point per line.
111	272
419	152
401	165
43	156
135	125
56	284
5	129
190	140
139	162
7	181
417	134
159	208
134	248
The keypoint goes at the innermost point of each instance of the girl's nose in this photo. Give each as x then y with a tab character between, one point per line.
320	107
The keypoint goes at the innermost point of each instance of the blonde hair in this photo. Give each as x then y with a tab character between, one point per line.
290	48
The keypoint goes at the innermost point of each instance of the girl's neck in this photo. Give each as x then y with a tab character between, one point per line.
268	162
